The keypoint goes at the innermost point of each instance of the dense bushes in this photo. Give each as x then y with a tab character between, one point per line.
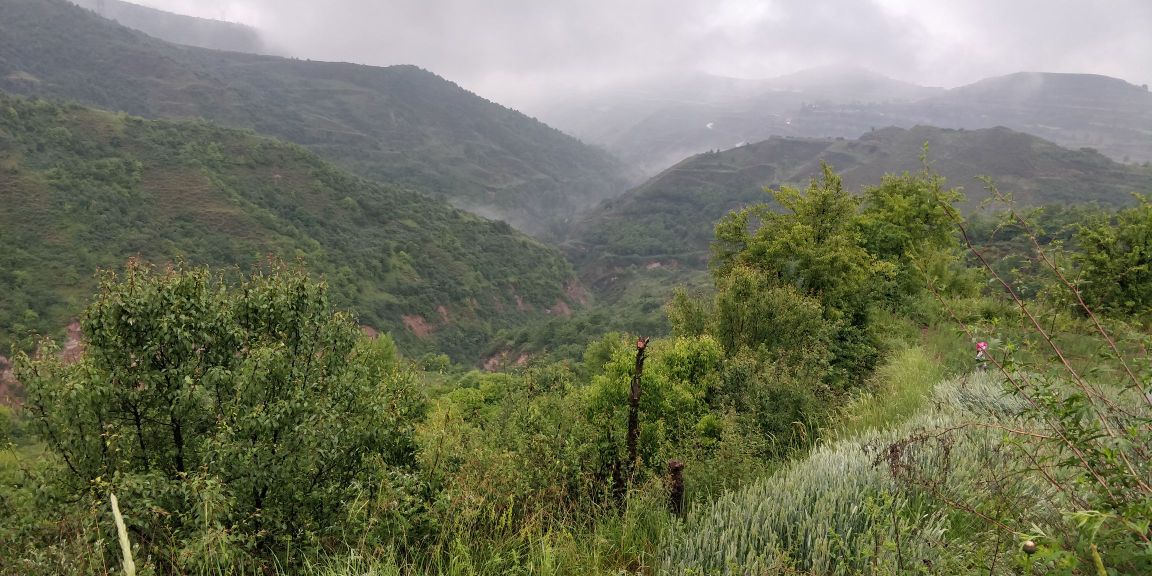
1115	258
228	419
809	279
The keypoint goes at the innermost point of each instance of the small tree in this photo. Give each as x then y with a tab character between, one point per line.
813	252
813	246
1115	259
905	223
676	381
250	414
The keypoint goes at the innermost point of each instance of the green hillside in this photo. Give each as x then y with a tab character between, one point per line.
85	189
398	124
670	218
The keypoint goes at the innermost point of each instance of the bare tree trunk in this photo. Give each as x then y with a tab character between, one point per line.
633	438
676	488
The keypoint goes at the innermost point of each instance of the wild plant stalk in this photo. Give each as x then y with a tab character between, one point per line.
122	534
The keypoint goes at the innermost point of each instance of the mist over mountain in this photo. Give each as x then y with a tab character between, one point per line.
651	132
409	128
654	123
331	300
530	55
178	28
399	125
849	84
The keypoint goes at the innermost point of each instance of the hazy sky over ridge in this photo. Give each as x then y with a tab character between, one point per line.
514	51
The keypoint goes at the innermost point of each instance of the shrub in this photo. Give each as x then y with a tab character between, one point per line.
226	418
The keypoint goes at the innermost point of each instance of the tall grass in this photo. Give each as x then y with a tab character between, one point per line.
841	510
897	390
625	542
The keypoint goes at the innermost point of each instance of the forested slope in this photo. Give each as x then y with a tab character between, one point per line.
178	28
85	189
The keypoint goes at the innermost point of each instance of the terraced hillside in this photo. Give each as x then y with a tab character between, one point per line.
656	124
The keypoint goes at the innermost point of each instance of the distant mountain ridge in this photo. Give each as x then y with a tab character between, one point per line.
1074	110
178	28
669	220
83	189
850	84
397	124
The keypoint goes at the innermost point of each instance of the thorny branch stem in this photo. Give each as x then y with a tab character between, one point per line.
1047	260
1024	308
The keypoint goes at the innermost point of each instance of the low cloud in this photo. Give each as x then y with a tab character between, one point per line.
520	51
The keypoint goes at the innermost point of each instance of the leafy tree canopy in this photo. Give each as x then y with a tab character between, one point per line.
1115	258
255	397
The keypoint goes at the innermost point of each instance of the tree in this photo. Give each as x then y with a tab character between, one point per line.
676	382
1115	260
814	246
254	398
768	266
906	222
756	314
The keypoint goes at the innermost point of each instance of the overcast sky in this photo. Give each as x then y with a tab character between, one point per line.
515	51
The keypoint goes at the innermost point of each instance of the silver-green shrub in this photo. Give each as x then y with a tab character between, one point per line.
843	510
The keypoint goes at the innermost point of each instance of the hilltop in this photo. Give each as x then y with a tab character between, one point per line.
85	189
1073	110
398	124
178	28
